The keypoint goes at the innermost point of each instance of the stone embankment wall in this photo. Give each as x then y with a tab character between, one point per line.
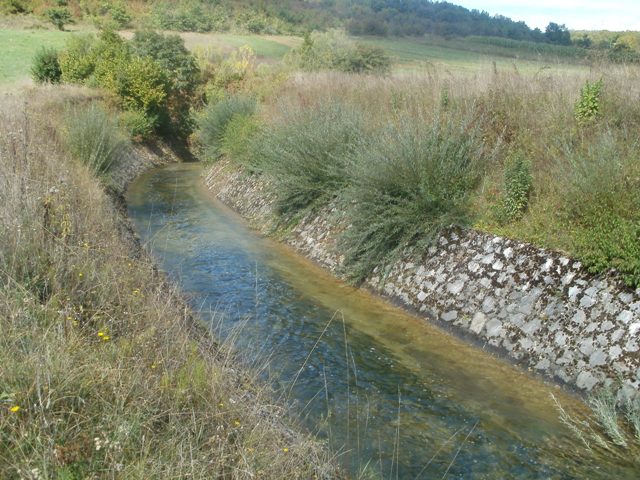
539	308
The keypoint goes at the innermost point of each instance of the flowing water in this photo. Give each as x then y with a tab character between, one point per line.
394	395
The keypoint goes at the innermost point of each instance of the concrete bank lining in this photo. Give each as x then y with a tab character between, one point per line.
539	308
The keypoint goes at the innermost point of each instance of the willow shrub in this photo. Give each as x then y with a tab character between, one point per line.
413	182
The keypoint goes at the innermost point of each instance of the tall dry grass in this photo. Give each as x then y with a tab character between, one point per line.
579	172
103	372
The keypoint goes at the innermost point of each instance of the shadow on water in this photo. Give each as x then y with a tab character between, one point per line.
386	389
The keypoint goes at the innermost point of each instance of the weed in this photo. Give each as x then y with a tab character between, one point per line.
93	137
407	187
214	120
588	107
307	155
517	188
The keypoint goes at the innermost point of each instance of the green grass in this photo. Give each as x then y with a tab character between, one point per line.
266	47
19	47
461	54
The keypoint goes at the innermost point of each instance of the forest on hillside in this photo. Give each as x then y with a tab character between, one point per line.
358	17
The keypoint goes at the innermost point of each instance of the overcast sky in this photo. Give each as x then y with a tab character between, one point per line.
575	14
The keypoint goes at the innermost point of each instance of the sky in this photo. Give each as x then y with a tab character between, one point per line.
575	14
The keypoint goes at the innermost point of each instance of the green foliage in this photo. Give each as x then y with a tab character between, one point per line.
153	75
93	137
13	7
333	50
142	85
518	184
137	124
588	107
413	182
307	155
188	16
169	52
59	16
46	67
214	120
118	13
237	137
77	62
601	205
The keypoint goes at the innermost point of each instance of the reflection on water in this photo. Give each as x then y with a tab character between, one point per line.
383	387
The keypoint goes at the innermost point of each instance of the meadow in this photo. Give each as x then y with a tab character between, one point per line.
406	54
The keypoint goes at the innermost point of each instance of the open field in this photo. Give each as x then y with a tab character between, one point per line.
18	48
407	54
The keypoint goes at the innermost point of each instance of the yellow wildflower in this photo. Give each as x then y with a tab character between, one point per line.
285	449
106	338
80	274
236	423
101	334
15	408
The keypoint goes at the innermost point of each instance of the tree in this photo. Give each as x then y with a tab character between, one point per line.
59	16
557	34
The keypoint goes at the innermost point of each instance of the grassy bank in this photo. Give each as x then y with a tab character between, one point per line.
103	373
551	159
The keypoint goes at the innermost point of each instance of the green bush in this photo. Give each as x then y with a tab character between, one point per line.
333	50
238	135
137	124
182	75
411	183
308	154
518	184
59	16
602	205
93	137
213	122
77	61
189	16
46	67
588	107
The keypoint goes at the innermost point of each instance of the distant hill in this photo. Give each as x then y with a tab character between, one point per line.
358	17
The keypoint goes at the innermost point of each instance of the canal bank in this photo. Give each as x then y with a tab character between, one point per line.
539	308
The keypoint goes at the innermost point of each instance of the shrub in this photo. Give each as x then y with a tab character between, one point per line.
307	155
366	59
409	185
77	61
517	188
93	137
588	108
213	122
333	50
188	16
46	67
601	206
182	74
238	135
59	16
137	124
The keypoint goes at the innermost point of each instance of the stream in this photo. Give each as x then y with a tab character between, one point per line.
391	394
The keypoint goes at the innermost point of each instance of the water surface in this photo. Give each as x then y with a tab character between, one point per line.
390	392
